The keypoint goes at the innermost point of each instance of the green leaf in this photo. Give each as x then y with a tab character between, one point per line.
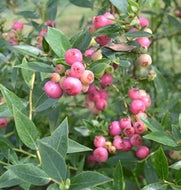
3	58
180	120
29	173
161	137
53	162
161	164
36	66
80	3
28	14
88	179
51	9
53	187
176	165
175	22
49	102
121	5
155	186
125	63
150	173
118	175
26	129
137	34
11	99
4	111
57	41
76	147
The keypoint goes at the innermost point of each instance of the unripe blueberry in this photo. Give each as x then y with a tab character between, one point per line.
102	40
61	81
55	77
94	110
143	22
112	149
91	159
175	154
101	104
73	55
147	30
107	144
96	55
89	103
133	29
145	60
59	68
13	42
142	152
67	73
3	123
134	93
100	154
128	131
87	77
114	128
18	26
136	140
106	80
53	90
125	122
118	143
85	88
99	141
139	127
77	69
137	106
144	42
72	86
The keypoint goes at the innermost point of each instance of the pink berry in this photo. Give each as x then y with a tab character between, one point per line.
128	131
55	77
88	53
43	32
50	23
77	69
133	29
18	26
146	100
91	159
3	123
72	86
87	77
99	141
137	106
140	115
110	18
100	21
73	55
106	80
142	152
136	140
139	127
100	154
103	94
59	68
13	42
92	29
126	145
92	88
125	122
114	128
94	96
145	60
96	55
102	40
117	142
144	42
134	93
101	104
53	89
143	22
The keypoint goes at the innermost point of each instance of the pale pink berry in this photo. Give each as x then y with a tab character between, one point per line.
91	159
139	127
73	55
67	73
140	115
136	140
100	21
102	40
88	53
100	154
101	104
134	93
87	77
96	55
99	141
137	106
125	122
144	42
94	110
85	88
133	29
114	128
55	77
89	103
43	32
50	23
106	80
13	42
110	18
128	131
3	123
59	68
145	60
18	26
143	22
146	100
72	86
142	152
77	69
53	89
118	143
61	81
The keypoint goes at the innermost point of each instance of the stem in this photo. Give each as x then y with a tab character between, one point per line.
4	163
24	152
31	96
39	157
136	180
8	134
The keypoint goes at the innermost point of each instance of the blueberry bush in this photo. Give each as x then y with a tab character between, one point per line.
98	109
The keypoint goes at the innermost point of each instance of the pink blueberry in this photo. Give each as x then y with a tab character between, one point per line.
137	106
145	60
125	122
114	128
142	152
103	94
18	26
136	140
73	55
117	142
102	40
101	104
3	123
144	42
91	159
43	32
139	127
100	154
110	18
72	86
99	141
126	145
87	77
134	93
146	100
143	22
53	89
77	69
128	131
55	77
106	80
59	68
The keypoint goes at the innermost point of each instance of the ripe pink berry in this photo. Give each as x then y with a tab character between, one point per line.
126	145
145	60
43	32
3	123
88	53
144	42
110	18
134	93
118	143
87	77
102	40
99	141
53	90
18	26
77	69
143	22
104	94
94	95
72	86
133	29
142	152
100	21
125	122
73	55
146	100
92	88
128	131
101	104
100	154
137	106
140	115
91	159
106	80
114	128
136	140
139	127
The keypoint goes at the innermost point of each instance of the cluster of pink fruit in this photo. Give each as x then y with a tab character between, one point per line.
13	36
96	99
126	133
76	79
99	22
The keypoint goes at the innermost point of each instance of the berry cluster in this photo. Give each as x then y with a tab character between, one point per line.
14	35
99	22
125	134
75	79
